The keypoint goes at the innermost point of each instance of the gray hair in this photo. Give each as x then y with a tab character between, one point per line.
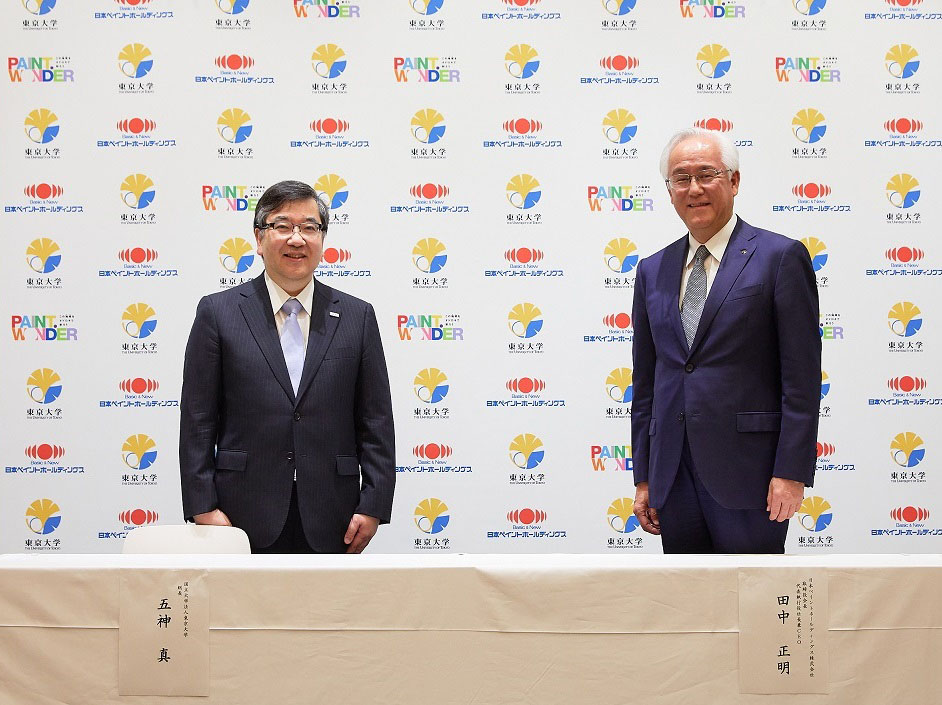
728	152
283	192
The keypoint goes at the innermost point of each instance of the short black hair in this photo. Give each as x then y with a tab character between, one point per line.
283	192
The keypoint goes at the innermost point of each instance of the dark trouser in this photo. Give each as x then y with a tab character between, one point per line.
693	522
292	535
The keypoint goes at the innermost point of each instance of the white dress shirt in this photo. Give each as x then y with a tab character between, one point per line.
279	296
717	246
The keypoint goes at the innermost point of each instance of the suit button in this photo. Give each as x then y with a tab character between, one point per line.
290	457
680	416
297	416
688	367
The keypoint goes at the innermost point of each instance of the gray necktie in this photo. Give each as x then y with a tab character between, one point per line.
695	295
292	342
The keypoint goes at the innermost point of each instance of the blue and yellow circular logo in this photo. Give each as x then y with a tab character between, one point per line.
526	451
42	255
426	7
234	125
335	188
44	385
39	7
713	60
619	7
903	190
42	517
429	255
41	125
137	191
232	7
825	384
525	320
907	449
618	385
236	255
522	61
808	125
621	517
329	61
523	191
428	126
135	61
431	516
902	61
904	319
619	126
818	252
815	514
809	7
621	255
139	320
139	451
430	385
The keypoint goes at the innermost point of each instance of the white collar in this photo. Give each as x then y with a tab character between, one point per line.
716	244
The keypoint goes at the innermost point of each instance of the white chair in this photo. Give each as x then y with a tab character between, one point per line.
186	538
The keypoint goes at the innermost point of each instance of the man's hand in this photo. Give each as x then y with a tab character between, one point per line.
784	498
214	518
361	529
646	515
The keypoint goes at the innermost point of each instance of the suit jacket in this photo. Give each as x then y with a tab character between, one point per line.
747	390
243	432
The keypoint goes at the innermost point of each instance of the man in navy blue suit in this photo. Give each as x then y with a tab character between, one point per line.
727	367
286	427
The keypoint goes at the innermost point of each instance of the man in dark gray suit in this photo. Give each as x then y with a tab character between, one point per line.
286	426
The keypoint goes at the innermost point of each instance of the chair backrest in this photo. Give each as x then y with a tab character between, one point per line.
186	538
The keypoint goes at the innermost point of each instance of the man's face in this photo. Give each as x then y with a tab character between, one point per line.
291	260
704	209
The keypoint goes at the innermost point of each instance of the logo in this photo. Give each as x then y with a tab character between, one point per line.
620	320
334	255
39	7
815	514
824	450
825	384
522	61
903	190
432	451
42	516
808	125
232	7
426	7
715	124
904	319
139	320
618	385
335	188
525	320
135	126
329	61
522	126
234	125
236	255
523	255
907	449
906	384
330	126
713	60
139	452
905	255
523	191
526	516
137	255
618	7
621	516
234	62
621	255
41	125
525	385
619	62
526	451
431	515
429	255
902	61
43	256
903	126
428	126
817	251
619	126
431	385
45	451
137	191
137	517
809	7
904	3
44	385
138	385
811	191
43	192
909	515
429	191
135	61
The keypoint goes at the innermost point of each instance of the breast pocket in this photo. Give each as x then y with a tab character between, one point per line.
745	292
340	352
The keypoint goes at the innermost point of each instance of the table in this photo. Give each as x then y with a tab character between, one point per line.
488	629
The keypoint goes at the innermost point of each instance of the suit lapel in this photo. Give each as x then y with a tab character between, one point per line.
672	270
258	314
323	327
738	252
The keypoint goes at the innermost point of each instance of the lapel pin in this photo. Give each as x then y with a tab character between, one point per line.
335	314
742	252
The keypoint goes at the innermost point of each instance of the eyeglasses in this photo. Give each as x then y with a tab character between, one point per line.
283	228
680	182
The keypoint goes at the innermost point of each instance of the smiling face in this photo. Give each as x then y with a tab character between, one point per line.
290	261
704	210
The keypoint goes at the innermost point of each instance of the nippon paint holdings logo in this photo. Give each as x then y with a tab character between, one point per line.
234	125
902	190
236	255
902	61
904	256
138	386
621	517
526	451
139	451
525	320
909	515
907	449
619	64
523	191
619	126
139	320
431	516
907	385
43	255
903	126
808	125
430	385
429	255
428	126
44	385
526	517
41	125
815	514
904	319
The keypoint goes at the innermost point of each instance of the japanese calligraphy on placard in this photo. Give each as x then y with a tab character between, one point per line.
163	635
783	627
